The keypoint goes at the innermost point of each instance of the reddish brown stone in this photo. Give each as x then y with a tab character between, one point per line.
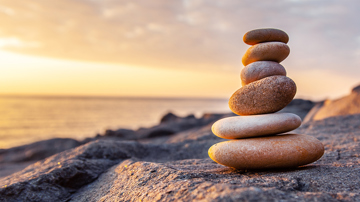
266	95
279	151
259	70
265	35
269	51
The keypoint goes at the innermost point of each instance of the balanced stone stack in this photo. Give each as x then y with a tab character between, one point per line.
258	135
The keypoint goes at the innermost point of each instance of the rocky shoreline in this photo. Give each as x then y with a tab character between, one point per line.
17	158
169	162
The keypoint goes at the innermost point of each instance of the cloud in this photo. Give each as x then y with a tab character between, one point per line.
184	34
14	42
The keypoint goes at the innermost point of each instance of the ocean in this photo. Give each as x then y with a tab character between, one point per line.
26	119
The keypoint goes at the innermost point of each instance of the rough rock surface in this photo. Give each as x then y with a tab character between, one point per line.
299	107
37	151
349	104
17	158
177	167
169	124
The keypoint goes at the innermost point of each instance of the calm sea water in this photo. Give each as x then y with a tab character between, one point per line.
28	119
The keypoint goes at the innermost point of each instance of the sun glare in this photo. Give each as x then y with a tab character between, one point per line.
23	74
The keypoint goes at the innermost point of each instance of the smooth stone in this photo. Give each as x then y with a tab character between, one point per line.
266	95
279	151
256	125
269	51
265	35
259	70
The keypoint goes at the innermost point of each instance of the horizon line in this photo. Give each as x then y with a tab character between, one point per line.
45	96
64	96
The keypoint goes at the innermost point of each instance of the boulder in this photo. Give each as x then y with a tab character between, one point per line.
169	117
349	104
299	107
37	151
17	158
170	124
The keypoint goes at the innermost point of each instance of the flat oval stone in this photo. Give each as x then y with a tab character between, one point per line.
265	35
259	70
256	125
279	151
269	51
266	95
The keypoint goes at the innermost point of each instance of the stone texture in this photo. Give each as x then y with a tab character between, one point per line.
265	35
256	125
349	104
356	89
269	51
177	168
299	107
259	70
267	95
170	117
310	115
58	177
18	158
278	151
170	124
37	151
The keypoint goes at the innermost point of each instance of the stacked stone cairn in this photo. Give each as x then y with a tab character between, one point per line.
259	136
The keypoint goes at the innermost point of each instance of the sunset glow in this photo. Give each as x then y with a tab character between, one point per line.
37	75
176	49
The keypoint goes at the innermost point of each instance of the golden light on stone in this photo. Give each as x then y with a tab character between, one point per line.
266	90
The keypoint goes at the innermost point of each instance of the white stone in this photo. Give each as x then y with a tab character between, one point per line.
255	125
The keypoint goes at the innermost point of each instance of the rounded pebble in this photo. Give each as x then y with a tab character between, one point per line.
269	51
256	125
266	95
259	70
279	151
265	35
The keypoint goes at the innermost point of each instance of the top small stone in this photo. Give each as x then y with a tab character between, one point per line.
265	35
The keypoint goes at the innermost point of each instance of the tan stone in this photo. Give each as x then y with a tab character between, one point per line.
279	151
347	105
265	35
269	51
256	125
266	95
259	70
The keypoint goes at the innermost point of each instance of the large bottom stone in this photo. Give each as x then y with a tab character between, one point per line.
279	151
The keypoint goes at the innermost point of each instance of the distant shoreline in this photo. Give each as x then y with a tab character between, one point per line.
32	118
39	96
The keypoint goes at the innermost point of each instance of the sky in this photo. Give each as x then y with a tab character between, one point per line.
171	48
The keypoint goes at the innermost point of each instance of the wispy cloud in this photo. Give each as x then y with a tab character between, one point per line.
184	34
13	42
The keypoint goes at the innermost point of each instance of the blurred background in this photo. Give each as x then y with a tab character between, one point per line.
75	68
